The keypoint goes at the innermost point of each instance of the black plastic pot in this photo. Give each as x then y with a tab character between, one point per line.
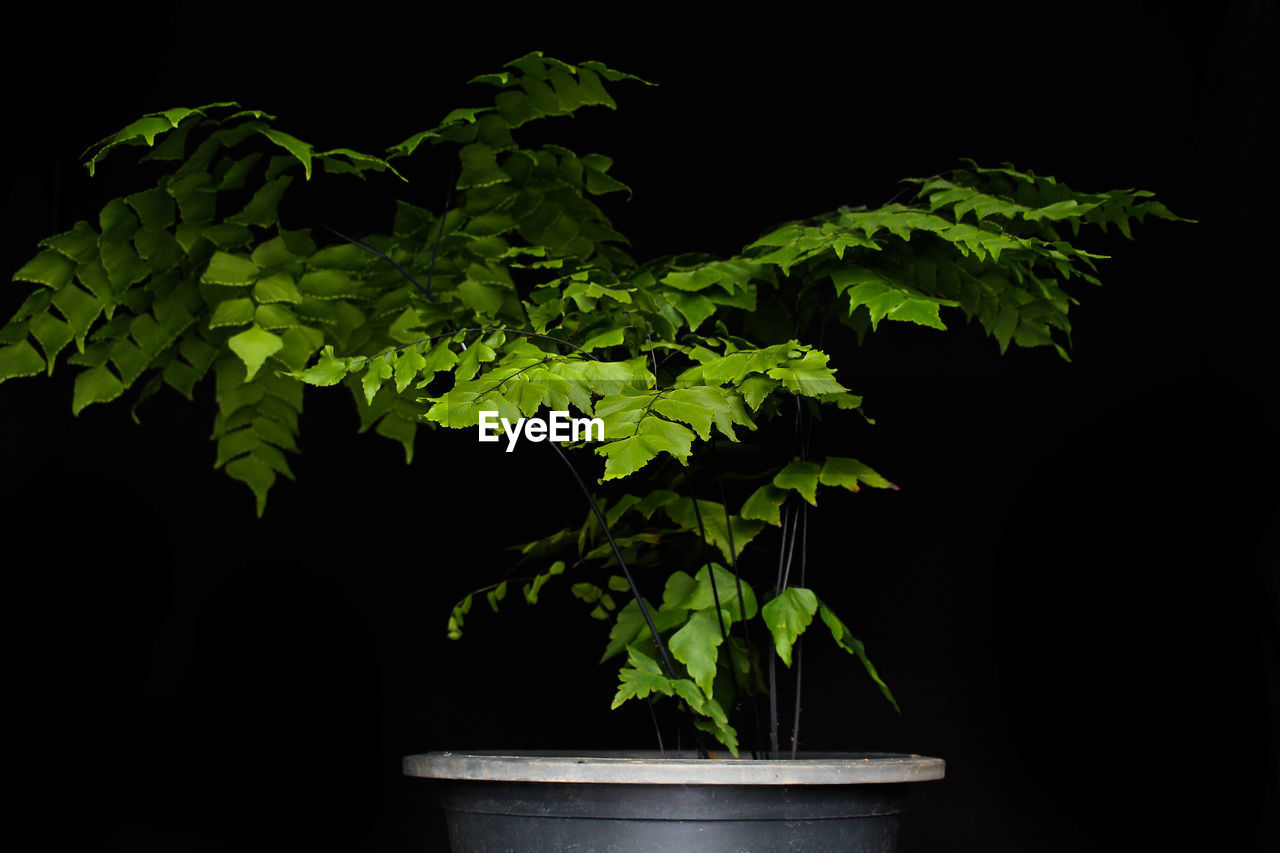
631	802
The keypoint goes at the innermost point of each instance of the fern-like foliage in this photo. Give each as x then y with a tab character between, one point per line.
521	297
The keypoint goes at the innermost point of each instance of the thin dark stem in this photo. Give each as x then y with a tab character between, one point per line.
773	665
706	557
617	554
773	707
757	740
782	547
426	290
910	184
791	552
795	726
652	355
657	730
448	197
804	433
711	575
799	647
509	378
667	665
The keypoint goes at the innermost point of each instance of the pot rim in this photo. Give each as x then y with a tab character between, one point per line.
649	767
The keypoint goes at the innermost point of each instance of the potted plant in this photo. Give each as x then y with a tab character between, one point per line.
515	312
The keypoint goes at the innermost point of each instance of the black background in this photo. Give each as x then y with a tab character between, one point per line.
1074	595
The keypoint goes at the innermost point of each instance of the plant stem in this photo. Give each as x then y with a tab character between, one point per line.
715	590
444	214
773	707
617	553
795	724
657	730
426	290
799	647
783	565
667	665
757	740
785	568
706	561
805	434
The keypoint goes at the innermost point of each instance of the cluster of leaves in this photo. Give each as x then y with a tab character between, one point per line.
530	302
702	602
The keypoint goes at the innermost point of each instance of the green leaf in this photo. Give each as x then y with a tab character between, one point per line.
479	167
700	406
800	476
408	367
403	430
755	389
764	505
532	589
808	376
852	645
379	370
277	287
496	595
299	149
145	129
643	678
787	616
720	729
328	369
262	208
697	645
471	359
481	298
95	385
611	338
226	235
345	256
681	511
923	312
255	472
80	244
652	436
695	307
679	585
630	623
50	268
850	473
232	312
123	265
154	207
254	345
20	359
700	595
328	284
228	269
53	335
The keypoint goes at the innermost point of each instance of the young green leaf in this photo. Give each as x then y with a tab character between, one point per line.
802	476
641	679
765	505
254	345
231	270
652	436
697	645
850	473
787	616
852	645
